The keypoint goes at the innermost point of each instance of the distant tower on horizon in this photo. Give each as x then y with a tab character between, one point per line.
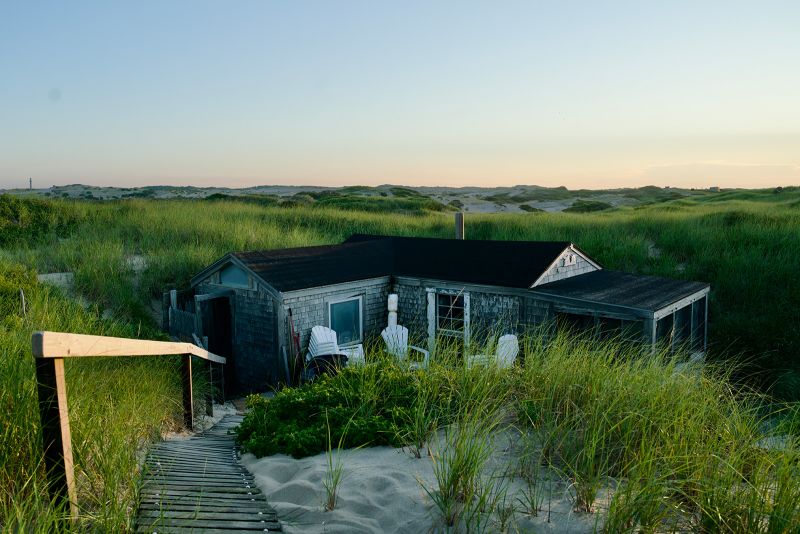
30	184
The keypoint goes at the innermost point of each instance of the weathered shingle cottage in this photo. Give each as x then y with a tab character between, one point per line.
446	287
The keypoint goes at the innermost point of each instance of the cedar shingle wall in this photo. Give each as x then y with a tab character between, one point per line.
491	313
412	312
310	307
255	354
559	272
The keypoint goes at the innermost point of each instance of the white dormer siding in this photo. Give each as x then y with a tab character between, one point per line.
570	263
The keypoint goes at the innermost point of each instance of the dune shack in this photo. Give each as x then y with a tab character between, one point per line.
257	308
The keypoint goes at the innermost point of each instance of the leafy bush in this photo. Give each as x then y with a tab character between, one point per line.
362	406
412	205
259	200
587	206
406	192
530	209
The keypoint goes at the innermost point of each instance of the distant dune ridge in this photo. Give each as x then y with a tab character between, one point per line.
514	199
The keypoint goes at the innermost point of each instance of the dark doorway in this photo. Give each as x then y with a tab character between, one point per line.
218	327
602	328
575	324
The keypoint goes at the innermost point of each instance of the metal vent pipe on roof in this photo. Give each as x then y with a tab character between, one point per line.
460	225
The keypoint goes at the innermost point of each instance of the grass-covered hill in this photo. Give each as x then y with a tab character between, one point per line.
745	243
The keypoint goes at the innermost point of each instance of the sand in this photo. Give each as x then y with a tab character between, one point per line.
382	491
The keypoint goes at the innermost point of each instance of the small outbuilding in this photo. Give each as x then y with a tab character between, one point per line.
248	304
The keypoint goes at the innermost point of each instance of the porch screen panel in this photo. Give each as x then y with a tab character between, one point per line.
665	329
683	325
699	321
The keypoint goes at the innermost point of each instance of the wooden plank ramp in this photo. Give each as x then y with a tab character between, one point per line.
199	485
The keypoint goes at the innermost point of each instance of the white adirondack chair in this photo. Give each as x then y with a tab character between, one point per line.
506	355
324	341
396	338
355	354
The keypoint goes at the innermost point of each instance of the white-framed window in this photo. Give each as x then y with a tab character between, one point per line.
346	318
448	314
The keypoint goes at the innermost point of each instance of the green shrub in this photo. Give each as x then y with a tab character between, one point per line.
587	206
530	209
364	406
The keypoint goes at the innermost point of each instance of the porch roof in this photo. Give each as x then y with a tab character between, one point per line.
642	292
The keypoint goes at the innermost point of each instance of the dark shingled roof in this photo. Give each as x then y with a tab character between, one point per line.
299	268
499	263
623	289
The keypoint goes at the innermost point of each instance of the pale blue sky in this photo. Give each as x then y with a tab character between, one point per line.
582	94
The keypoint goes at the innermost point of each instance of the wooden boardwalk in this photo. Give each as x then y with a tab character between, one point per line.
198	485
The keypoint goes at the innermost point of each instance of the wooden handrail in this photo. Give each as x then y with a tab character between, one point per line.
49	350
65	345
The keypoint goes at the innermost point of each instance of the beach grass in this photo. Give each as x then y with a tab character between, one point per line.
668	448
745	244
116	407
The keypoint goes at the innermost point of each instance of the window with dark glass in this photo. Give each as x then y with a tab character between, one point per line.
345	320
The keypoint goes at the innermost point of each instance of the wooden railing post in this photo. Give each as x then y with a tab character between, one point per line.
188	400
210	392
56	439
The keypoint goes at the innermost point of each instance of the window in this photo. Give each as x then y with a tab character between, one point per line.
231	275
344	318
450	314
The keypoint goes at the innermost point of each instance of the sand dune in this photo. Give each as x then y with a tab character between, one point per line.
382	491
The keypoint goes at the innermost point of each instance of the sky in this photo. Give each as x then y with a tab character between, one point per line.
439	93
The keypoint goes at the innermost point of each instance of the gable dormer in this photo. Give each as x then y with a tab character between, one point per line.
571	262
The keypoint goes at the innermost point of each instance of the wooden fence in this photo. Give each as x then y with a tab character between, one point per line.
49	350
181	323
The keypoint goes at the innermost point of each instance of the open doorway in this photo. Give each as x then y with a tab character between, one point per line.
217	318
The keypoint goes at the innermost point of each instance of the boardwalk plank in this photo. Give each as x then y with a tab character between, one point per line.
198	485
205	523
197	530
203	489
220	516
206	506
172	480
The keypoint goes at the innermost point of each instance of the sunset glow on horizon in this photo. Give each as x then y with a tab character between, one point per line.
585	95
